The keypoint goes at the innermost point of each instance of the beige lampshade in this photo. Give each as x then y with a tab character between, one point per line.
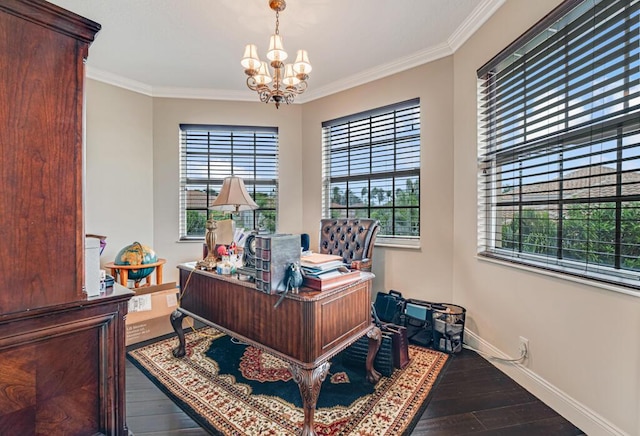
263	77
290	78
276	49
233	196
250	60
302	64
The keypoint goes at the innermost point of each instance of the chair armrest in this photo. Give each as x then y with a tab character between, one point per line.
362	265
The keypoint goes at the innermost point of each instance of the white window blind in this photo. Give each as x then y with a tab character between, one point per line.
208	154
371	168
559	149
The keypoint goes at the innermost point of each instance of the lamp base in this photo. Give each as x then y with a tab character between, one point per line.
209	263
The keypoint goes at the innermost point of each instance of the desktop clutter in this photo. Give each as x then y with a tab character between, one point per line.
276	263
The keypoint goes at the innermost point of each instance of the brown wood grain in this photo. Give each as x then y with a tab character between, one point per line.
41	167
64	371
18	376
305	327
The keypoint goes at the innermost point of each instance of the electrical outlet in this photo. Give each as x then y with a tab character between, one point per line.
524	347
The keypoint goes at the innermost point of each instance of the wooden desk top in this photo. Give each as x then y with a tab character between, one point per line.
305	293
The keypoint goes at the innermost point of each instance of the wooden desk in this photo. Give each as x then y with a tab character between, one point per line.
306	330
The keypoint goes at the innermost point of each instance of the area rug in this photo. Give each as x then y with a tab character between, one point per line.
230	388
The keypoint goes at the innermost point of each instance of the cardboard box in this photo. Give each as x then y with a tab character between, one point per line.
149	312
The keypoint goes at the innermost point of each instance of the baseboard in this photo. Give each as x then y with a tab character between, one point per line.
580	415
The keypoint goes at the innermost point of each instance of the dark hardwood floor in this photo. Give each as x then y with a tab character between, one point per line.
472	397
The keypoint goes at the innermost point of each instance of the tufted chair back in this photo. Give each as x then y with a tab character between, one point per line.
351	238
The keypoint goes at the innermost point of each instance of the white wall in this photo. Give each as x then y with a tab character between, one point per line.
584	340
420	273
119	171
168	114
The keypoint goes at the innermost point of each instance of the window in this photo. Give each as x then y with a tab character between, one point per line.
371	168
208	154
559	153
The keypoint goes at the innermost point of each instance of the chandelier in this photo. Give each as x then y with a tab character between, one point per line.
288	80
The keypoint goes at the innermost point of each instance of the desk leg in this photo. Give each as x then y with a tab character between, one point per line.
309	381
176	322
375	339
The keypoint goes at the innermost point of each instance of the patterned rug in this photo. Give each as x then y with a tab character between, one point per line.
234	389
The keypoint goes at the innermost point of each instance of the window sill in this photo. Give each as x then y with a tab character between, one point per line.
594	283
411	244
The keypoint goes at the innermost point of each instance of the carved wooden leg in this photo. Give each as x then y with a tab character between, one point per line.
375	339
176	322
309	381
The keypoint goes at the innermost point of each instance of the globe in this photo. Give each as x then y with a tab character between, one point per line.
136	254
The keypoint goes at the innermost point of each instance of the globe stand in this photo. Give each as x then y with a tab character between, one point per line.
122	272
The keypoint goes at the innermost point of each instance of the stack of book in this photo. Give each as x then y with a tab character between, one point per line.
274	253
325	271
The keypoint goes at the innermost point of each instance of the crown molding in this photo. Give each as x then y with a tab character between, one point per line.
476	19
204	94
119	81
167	92
419	58
473	22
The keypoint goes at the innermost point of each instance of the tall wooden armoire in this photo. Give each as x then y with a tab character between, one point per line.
61	353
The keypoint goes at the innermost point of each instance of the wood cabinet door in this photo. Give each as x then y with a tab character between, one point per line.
42	51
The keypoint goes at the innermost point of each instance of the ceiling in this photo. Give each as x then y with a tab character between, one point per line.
192	48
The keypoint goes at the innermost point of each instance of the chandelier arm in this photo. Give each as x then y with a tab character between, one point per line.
252	84
288	97
265	95
301	87
297	89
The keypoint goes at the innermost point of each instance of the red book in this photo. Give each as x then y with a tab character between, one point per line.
331	282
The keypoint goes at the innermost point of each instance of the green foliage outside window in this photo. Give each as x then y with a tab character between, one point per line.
195	222
588	234
265	217
398	212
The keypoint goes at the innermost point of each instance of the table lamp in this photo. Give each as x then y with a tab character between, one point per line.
233	198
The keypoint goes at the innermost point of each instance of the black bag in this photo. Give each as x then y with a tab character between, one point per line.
418	319
393	351
356	354
390	306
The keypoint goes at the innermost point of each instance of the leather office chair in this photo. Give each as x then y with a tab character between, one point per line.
351	238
